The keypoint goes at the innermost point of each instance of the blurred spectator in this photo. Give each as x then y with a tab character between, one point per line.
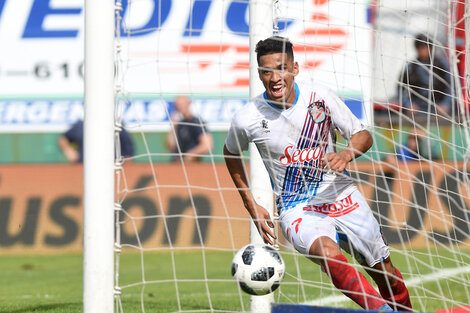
71	143
425	83
416	147
188	135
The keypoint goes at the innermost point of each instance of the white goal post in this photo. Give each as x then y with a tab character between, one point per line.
261	27
98	188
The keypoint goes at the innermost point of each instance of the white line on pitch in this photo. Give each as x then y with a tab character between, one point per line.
409	283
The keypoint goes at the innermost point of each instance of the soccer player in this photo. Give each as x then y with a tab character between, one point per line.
320	209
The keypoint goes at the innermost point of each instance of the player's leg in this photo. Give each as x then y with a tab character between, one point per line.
313	235
345	277
391	285
361	236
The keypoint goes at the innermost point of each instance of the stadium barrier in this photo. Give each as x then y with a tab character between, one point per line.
27	148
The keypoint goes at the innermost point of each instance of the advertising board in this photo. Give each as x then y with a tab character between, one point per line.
169	47
41	206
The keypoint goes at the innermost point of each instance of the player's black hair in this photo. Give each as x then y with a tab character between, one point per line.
274	44
423	40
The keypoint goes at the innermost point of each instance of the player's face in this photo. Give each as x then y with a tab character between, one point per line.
277	72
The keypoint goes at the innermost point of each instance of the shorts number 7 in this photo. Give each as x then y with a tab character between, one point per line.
296	223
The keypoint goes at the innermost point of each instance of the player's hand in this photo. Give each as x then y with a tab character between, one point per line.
263	223
335	162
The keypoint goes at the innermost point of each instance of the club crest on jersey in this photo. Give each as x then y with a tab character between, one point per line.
317	111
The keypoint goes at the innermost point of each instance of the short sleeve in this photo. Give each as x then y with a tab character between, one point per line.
343	119
237	139
75	133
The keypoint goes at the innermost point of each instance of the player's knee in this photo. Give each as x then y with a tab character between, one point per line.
385	273
324	248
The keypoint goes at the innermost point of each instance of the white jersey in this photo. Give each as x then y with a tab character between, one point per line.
292	143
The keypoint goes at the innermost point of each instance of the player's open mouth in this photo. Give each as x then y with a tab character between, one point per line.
278	90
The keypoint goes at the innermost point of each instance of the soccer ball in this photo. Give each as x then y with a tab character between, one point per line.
258	269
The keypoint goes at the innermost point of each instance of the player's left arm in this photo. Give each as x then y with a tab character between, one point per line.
358	145
350	128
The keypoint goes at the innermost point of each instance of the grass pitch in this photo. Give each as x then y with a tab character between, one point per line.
53	283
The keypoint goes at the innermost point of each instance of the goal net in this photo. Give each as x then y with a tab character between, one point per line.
179	218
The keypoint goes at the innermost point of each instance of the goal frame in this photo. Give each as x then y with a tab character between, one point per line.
261	27
98	187
98	233
99	289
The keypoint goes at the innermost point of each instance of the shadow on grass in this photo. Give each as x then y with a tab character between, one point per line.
53	307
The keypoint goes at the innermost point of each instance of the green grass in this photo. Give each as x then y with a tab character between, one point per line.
53	283
42	283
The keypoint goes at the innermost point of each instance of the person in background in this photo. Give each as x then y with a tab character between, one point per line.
71	143
188	136
425	83
415	148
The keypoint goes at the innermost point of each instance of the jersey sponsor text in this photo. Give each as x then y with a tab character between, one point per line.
298	155
335	209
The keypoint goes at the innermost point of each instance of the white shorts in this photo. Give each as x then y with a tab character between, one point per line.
349	222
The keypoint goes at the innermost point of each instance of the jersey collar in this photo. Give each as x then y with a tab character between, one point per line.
297	93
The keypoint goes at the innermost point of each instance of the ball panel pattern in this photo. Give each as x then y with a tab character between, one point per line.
258	269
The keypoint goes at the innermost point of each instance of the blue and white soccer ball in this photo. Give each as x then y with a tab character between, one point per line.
258	269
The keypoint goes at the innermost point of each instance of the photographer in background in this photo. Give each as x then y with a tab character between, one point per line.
188	136
425	83
71	143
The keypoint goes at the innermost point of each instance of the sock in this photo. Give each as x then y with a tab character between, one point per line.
399	294
353	284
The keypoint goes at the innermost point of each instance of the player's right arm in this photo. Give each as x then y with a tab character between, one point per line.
260	215
351	129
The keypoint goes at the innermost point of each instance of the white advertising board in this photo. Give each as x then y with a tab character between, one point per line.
170	47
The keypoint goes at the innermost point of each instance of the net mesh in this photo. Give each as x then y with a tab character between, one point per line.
179	221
